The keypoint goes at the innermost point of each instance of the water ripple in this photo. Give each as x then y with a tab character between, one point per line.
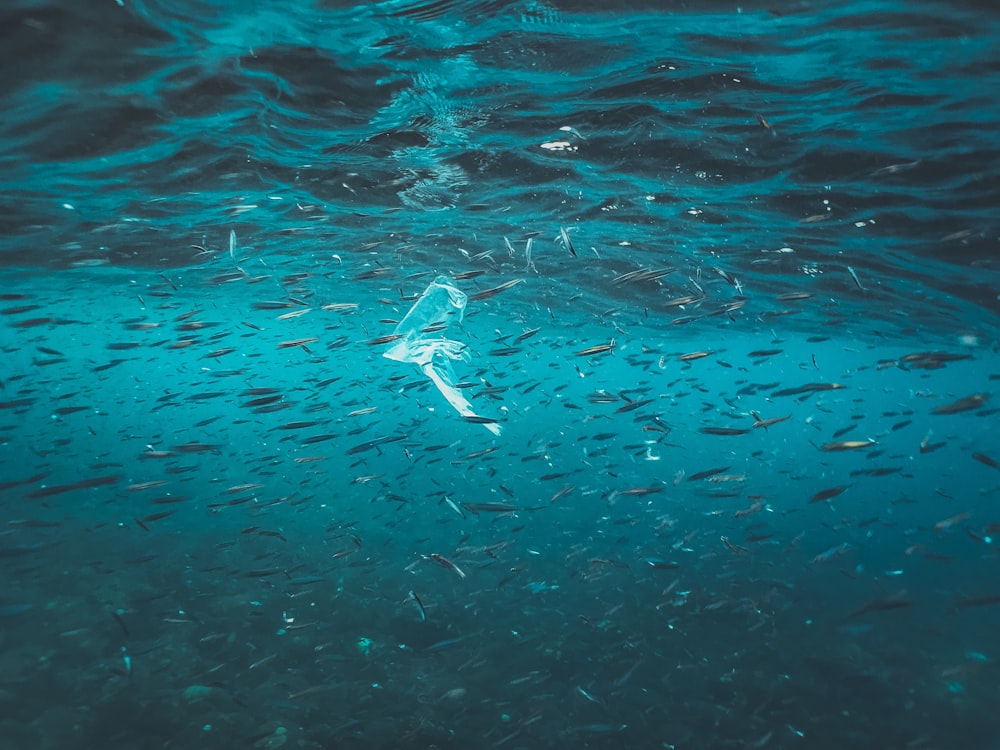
861	135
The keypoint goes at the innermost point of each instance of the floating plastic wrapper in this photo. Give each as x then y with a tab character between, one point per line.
423	339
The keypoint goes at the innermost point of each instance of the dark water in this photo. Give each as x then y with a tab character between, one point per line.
727	472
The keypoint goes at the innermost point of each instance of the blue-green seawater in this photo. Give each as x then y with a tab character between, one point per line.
731	274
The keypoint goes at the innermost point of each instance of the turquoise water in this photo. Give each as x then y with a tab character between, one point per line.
689	440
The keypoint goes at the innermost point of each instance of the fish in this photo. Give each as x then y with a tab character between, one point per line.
526	335
685	300
809	388
765	423
453	506
930	360
154	517
10	610
367	446
411	597
725	431
363	412
60	489
877	472
633	405
642	275
707	473
262	401
963	404
293	314
562	493
313	439
827	494
947	523
481	453
831	553
241	488
640	491
720	478
297	425
854	276
303	342
379	340
476	508
589	696
847	445
19	482
967	602
762	121
754	508
477	419
219	352
598	349
141	486
444	562
488	293
196	447
566	241
734	548
986	460
895	601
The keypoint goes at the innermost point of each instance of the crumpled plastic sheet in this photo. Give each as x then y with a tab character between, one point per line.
424	340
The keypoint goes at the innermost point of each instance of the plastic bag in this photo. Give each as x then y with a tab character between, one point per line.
424	339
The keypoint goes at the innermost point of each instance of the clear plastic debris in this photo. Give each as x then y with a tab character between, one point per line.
424	338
